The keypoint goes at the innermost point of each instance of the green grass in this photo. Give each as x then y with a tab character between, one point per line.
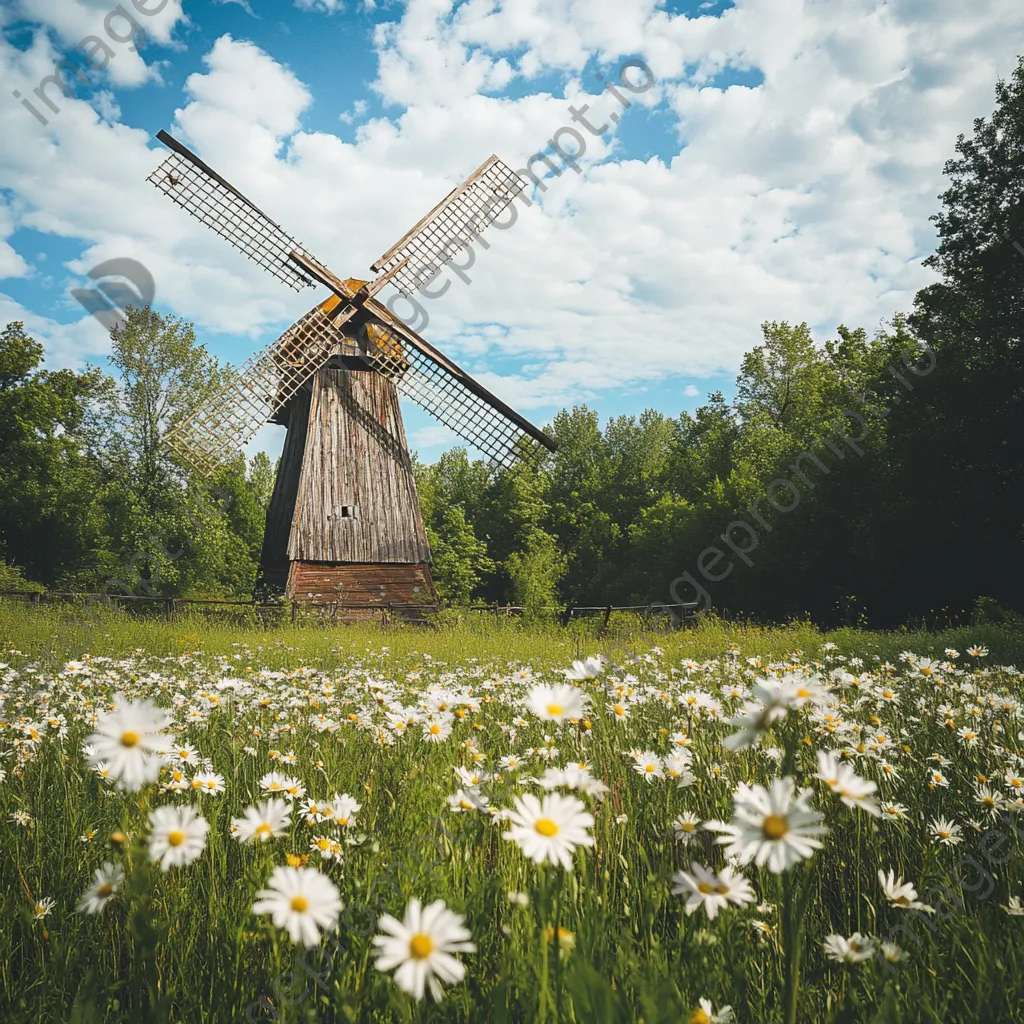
184	946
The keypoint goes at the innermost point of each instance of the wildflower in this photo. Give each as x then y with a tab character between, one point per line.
302	901
589	668
849	951
518	899
1014	909
555	703
977	652
685	827
267	820
946	832
648	764
106	882
437	731
703	888
178	836
844	781
566	939
20	817
128	739
41	908
991	800
705	1014
468	800
344	809
777	827
208	782
900	893
768	706
421	947
892	952
329	849
551	829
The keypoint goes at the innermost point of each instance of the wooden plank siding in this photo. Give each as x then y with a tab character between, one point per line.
356	461
375	584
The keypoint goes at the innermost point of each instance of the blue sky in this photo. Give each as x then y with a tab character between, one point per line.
782	168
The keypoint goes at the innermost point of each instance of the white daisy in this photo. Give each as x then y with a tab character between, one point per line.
178	836
302	901
550	830
777	827
128	740
555	703
900	893
421	947
265	821
106	882
703	888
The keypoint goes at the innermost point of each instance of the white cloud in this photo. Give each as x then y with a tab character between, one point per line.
805	198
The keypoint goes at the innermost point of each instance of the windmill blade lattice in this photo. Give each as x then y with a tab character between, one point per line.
214	434
452	225
451	396
208	197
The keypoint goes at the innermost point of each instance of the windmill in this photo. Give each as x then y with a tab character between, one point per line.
343	524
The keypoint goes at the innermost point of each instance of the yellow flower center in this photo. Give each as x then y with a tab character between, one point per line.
105	889
774	826
555	709
175	838
686	826
130	739
300	904
649	768
619	709
705	887
263	830
546	827
421	946
699	1017
435	729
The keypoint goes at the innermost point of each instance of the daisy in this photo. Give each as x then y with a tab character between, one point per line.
551	829
1014	909
555	703
770	705
128	739
302	901
437	731
106	882
703	888
589	668
900	893
844	781
777	827
421	947
685	827
267	820
208	782
705	1014
345	809
178	836
41	908
648	764
678	767
329	849
849	951
992	800
619	711
946	832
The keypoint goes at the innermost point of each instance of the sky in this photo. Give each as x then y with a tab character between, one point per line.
781	165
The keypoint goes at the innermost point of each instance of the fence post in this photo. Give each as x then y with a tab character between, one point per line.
607	616
295	608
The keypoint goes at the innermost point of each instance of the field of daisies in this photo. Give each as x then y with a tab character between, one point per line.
387	830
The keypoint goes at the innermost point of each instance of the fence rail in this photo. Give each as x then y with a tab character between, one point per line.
680	613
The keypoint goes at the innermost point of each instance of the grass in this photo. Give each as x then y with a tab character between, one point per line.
185	945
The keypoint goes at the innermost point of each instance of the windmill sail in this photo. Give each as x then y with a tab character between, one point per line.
213	434
203	193
451	225
447	392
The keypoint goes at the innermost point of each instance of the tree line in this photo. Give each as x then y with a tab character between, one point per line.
873	477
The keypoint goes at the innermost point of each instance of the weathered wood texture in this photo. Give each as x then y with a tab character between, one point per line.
356	498
375	584
274	558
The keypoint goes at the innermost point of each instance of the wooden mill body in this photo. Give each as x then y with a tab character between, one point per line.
344	524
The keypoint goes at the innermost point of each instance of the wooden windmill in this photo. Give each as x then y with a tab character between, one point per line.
344	523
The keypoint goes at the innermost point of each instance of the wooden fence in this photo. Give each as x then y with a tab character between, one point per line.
678	614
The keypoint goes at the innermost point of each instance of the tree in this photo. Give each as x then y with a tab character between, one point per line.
52	520
460	558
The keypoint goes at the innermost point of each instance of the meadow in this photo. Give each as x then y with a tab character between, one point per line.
205	823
